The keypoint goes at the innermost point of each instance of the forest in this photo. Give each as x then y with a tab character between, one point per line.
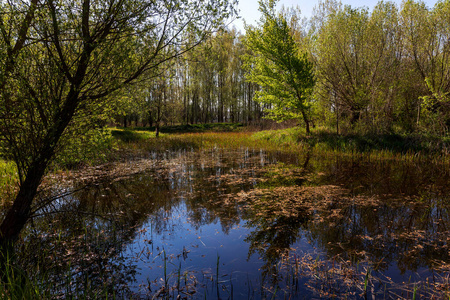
296	129
383	70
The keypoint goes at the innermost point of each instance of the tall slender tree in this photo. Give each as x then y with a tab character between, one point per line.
279	67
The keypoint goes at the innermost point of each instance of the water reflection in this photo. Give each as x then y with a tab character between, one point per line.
253	210
395	213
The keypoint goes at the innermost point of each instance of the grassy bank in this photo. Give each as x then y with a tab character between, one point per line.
203	135
293	140
146	141
328	141
117	144
194	128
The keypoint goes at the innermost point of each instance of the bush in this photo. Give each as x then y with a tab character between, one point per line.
87	149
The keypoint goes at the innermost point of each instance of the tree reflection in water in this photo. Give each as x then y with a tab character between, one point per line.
319	212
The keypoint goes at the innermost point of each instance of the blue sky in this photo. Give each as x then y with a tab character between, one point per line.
249	8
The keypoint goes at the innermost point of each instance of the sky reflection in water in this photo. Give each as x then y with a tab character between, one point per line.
299	225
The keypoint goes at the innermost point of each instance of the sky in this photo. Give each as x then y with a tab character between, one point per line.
249	8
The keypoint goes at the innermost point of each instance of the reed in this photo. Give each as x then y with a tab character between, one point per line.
217	268
393	145
291	140
15	282
366	281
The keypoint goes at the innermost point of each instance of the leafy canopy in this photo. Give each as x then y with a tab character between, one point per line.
279	66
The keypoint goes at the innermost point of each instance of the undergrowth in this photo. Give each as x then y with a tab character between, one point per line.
386	145
16	284
191	128
8	181
91	148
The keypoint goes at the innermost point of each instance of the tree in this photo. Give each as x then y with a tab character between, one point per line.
13	40
357	57
342	63
427	44
279	67
68	60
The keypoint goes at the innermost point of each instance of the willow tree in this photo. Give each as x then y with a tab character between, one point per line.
358	58
277	64
63	62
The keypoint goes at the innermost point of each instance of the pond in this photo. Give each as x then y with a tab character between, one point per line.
246	224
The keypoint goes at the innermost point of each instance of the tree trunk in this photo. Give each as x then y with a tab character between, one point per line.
18	215
356	115
158	118
305	118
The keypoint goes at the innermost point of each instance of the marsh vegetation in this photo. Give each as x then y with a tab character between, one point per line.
209	216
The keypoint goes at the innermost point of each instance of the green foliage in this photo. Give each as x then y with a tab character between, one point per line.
8	181
356	56
91	147
216	127
369	143
131	136
7	172
204	85
370	66
437	108
279	67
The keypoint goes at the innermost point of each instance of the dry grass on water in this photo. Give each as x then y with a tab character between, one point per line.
351	273
291	140
327	275
144	141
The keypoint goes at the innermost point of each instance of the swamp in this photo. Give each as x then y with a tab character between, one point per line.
236	222
154	150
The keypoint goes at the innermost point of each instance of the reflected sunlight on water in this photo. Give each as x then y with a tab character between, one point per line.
248	224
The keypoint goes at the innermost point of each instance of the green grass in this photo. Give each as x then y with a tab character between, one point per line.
8	181
292	140
282	137
191	128
17	286
327	141
131	136
130	141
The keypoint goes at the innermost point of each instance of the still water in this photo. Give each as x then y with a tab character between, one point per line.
247	224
